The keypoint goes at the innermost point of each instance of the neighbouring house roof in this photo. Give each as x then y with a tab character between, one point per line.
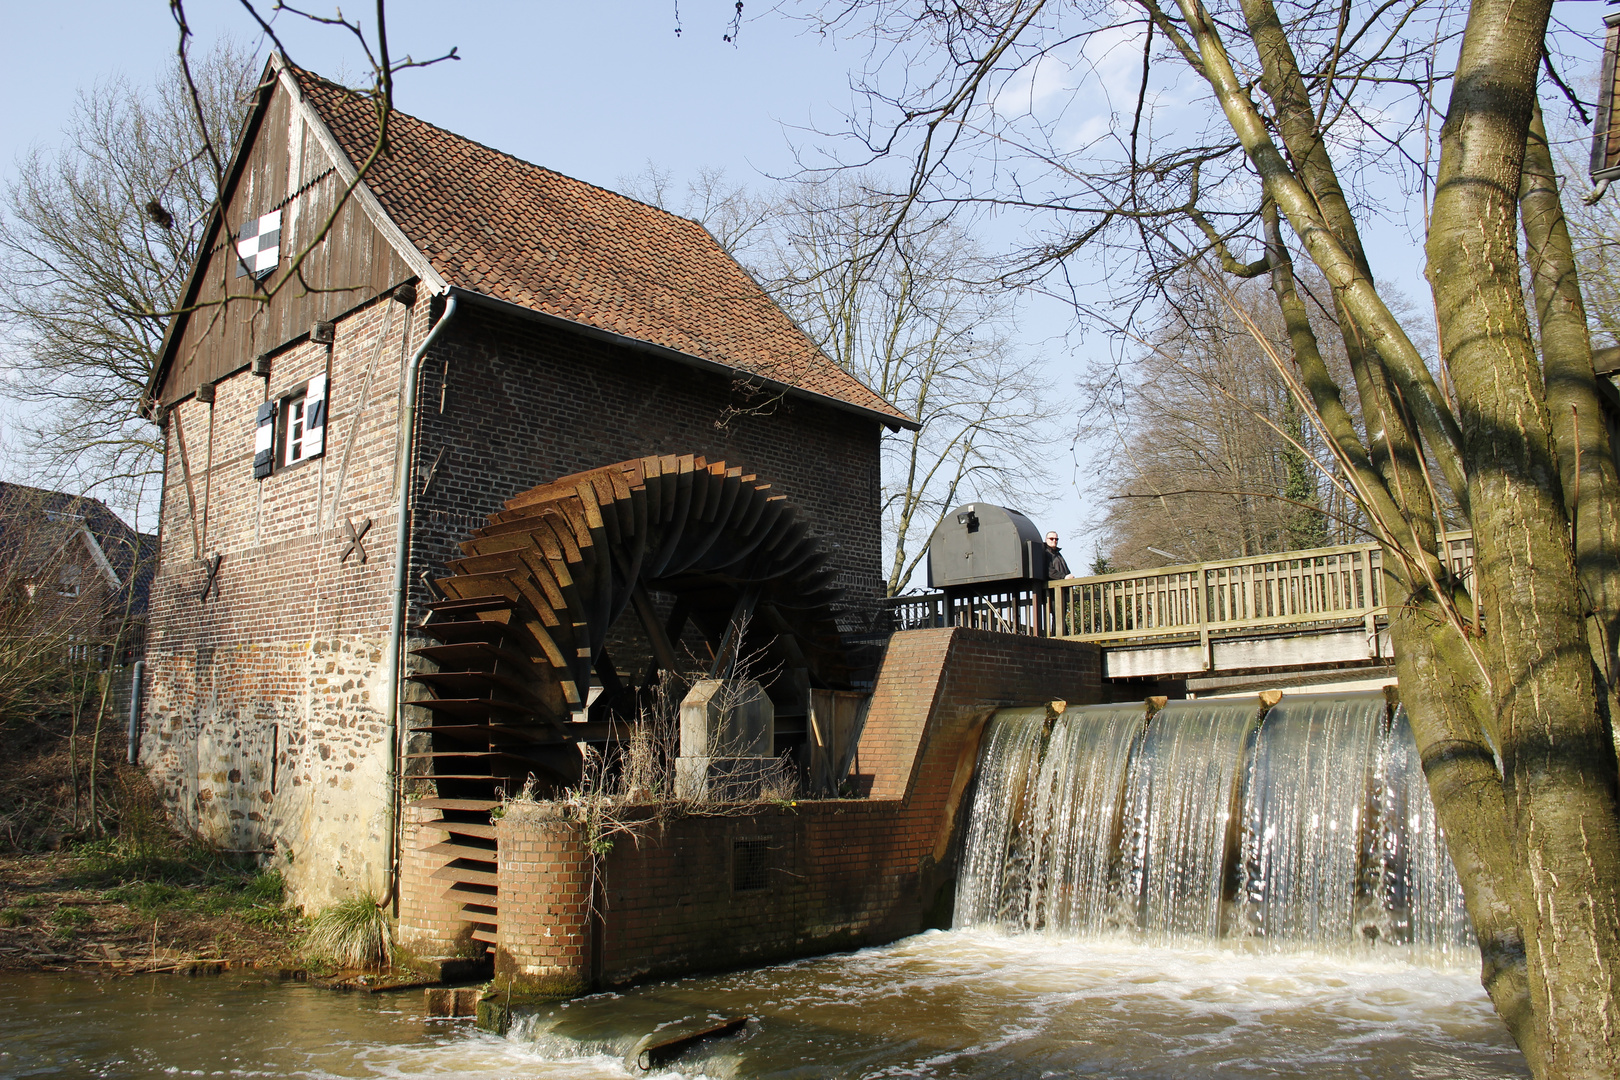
499	227
36	524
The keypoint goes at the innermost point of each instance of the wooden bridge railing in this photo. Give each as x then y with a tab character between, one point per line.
1193	600
1261	592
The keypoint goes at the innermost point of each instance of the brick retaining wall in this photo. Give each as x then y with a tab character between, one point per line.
694	892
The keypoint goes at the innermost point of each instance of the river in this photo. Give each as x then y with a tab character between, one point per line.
962	1004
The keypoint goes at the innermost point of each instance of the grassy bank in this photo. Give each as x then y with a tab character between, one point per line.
151	901
93	876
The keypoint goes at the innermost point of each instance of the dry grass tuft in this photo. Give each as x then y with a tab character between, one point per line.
353	933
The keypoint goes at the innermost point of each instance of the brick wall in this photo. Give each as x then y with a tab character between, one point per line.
508	404
270	703
836	873
546	883
430	923
266	714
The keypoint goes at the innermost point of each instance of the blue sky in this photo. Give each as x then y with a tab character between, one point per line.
591	89
594	89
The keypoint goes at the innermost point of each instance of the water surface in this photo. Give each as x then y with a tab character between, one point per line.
977	1004
233	1025
962	1004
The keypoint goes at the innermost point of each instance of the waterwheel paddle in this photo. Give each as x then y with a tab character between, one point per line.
531	605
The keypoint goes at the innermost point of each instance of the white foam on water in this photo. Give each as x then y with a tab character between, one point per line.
985	1004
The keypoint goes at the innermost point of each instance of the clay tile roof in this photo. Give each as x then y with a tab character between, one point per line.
493	224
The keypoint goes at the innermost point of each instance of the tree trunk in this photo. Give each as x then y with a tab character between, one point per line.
95	743
1442	692
1586	462
1559	764
1444	702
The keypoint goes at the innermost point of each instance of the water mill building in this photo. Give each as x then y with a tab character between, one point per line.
465	456
392	368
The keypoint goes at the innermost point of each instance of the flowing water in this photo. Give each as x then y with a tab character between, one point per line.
964	1005
1200	895
1310	829
164	1025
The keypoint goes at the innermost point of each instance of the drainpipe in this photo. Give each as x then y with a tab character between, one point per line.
396	626
136	678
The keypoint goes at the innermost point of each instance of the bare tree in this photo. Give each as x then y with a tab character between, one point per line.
1595	234
1282	122
736	217
912	315
72	606
96	239
1206	454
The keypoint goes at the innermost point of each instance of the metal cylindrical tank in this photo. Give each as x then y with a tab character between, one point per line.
980	543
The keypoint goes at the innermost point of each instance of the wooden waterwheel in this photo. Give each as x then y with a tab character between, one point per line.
699	552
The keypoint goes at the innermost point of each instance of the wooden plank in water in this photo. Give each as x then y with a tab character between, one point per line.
667	1050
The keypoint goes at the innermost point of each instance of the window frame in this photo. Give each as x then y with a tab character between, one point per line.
282	423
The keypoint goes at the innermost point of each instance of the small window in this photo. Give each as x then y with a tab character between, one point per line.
750	865
68	578
294	444
290	429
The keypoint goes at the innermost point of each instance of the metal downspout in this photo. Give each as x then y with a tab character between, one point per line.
396	628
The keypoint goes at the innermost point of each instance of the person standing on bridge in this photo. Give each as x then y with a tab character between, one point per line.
1057	567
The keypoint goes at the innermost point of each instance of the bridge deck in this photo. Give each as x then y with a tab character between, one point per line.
1282	609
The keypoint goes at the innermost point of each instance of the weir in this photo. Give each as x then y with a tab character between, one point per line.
1307	825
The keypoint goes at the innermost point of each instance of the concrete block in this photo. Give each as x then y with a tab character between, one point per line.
720	779
453	1000
727	718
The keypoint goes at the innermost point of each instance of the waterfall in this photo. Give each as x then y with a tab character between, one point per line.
1310	827
1178	807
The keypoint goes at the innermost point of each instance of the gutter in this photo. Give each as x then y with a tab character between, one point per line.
663	352
396	627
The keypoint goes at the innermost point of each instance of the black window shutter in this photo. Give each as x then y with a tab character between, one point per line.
264	441
315	417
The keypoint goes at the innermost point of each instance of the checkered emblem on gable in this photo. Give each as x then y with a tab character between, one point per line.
258	246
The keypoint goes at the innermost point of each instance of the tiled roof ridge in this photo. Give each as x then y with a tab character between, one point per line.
56	501
741	328
328	84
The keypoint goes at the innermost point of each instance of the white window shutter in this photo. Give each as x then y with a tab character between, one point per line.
264	441
315	417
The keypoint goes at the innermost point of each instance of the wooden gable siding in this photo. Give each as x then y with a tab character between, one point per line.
288	168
